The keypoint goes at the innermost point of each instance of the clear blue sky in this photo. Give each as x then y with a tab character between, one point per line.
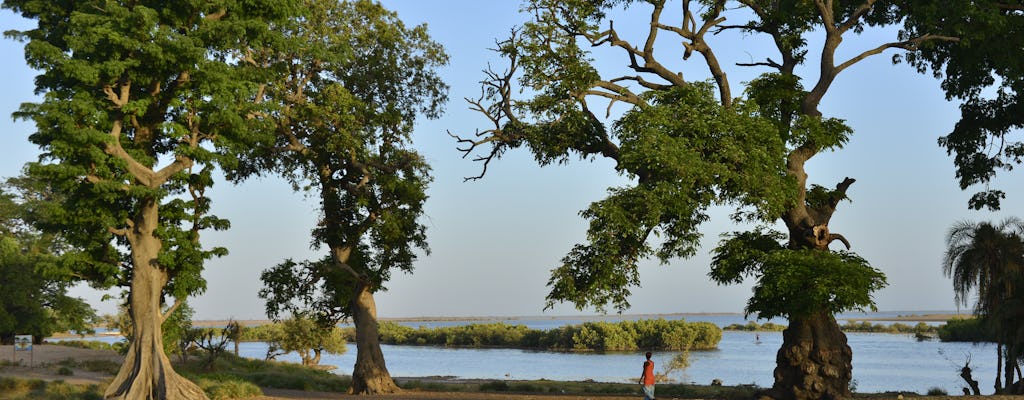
494	241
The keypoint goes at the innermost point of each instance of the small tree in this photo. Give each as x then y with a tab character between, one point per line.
35	269
309	339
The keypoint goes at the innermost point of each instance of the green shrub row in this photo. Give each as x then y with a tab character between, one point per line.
966	330
850	326
659	334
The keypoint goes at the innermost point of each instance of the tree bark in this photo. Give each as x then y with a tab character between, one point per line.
147	373
814	362
1008	369
965	373
999	367
370	375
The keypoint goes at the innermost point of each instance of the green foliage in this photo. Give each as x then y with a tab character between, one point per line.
752	326
937	391
688	152
307	337
34	389
657	334
318	289
266	374
334	112
175	330
966	330
229	389
980	70
794	282
36	280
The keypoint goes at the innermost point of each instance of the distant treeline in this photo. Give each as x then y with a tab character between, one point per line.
849	326
966	330
654	335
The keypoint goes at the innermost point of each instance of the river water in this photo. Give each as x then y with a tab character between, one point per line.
881	362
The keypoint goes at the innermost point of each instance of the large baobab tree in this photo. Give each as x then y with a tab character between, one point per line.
691	142
138	99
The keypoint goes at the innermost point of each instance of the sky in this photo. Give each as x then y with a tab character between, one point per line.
494	241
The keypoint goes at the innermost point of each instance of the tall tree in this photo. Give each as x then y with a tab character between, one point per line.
137	95
689	144
352	80
986	73
989	259
35	279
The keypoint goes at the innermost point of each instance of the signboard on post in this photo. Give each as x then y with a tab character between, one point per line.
23	343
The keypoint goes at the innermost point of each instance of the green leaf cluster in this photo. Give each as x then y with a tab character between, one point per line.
128	87
986	73
348	81
35	277
794	283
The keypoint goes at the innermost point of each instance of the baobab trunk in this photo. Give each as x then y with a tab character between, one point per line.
814	362
370	375
147	373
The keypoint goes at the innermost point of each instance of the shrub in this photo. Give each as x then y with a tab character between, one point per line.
965	330
230	388
937	391
65	371
494	386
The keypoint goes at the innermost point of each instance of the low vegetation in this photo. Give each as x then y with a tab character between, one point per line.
688	391
656	334
966	330
849	326
230	371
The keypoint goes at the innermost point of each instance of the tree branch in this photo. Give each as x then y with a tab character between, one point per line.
177	303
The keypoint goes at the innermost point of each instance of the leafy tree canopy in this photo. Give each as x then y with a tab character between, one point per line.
986	72
794	282
36	278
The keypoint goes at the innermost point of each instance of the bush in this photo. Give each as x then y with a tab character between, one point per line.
494	386
965	330
231	388
937	391
65	371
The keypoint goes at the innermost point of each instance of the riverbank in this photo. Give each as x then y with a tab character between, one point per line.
48	361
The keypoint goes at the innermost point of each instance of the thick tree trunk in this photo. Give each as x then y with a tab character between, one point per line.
370	375
1009	370
999	367
814	362
147	373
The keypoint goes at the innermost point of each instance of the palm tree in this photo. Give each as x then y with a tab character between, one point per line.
990	259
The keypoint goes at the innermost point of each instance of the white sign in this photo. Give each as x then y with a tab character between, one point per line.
22	342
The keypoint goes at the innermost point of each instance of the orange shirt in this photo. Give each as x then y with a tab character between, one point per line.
648	372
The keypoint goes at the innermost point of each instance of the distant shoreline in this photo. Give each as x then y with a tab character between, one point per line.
256	322
925	317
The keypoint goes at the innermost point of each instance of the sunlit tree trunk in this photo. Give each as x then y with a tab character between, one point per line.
147	372
370	375
814	361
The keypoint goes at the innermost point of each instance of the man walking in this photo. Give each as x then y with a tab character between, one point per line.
647	378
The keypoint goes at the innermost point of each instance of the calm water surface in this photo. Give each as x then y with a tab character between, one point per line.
881	362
